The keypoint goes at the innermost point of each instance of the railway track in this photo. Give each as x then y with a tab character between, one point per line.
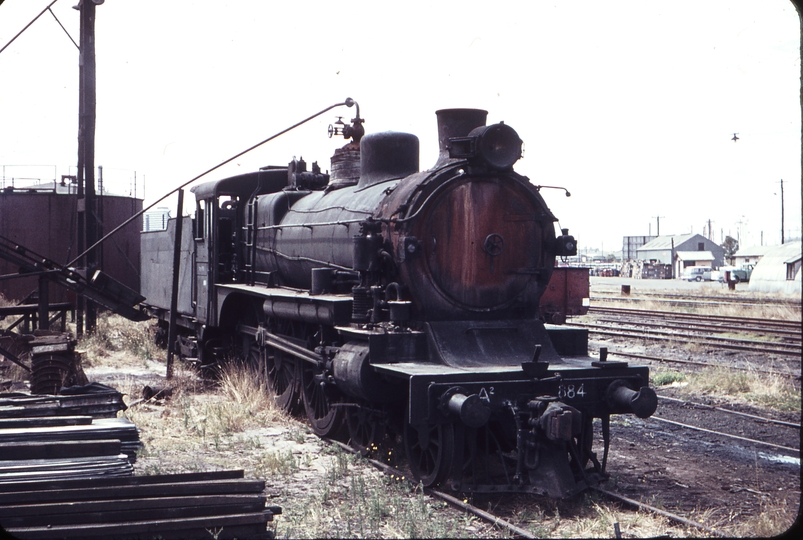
780	327
697	300
779	337
707	341
718	365
515	530
704	460
777	435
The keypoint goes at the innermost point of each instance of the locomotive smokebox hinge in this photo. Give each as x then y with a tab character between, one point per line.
409	248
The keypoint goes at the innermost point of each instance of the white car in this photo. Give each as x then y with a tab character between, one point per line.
696	273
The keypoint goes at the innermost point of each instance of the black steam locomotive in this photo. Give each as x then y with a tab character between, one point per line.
396	304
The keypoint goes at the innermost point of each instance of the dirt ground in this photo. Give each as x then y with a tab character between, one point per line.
720	482
696	473
729	485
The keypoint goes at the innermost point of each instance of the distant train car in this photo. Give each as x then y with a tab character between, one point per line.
393	304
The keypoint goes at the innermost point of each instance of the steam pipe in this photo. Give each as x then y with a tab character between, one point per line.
348	103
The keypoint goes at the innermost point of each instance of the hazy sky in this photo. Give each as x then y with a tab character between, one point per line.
630	105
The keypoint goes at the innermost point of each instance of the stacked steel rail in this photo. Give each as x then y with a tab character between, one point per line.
220	505
66	466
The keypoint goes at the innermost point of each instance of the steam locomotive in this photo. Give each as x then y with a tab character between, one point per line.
401	305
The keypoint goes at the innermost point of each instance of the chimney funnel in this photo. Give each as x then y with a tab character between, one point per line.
456	123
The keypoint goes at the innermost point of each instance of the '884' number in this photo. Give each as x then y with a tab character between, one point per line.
571	391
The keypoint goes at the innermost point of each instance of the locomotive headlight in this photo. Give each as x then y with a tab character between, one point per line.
496	147
499	146
565	244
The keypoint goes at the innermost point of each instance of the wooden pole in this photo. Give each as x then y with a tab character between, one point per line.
86	145
171	331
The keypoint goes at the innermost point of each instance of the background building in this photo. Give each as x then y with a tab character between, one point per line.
750	255
631	244
681	251
778	271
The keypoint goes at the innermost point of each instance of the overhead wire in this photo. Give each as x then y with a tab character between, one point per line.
65	30
28	25
348	102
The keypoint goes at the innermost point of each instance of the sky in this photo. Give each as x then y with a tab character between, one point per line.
630	105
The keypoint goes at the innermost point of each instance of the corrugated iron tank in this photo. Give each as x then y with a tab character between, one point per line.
45	222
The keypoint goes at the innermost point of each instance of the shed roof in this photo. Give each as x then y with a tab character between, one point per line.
771	272
753	251
665	242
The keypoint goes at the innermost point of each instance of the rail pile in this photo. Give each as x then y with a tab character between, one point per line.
65	436
220	505
66	466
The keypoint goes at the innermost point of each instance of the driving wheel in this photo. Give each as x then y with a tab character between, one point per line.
325	417
430	451
282	374
366	429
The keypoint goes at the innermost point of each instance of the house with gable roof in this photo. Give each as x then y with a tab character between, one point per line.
682	251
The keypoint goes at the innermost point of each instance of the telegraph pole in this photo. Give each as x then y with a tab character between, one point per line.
782	238
87	218
658	225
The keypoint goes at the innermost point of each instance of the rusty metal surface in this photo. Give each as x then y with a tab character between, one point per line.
24	217
567	294
483	242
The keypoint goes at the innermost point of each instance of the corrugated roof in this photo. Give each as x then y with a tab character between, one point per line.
753	251
770	274
665	242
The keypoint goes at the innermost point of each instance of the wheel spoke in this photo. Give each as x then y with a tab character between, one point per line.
366	428
430	451
282	376
325	418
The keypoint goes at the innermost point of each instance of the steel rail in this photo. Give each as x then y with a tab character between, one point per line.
670	515
724	319
628	327
684	323
703	364
449	499
722	299
728	298
664	300
728	435
730	411
712	341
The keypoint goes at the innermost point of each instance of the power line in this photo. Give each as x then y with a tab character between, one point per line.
27	25
62	27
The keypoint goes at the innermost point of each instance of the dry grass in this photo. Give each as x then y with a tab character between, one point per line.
746	387
323	491
773	520
118	335
769	310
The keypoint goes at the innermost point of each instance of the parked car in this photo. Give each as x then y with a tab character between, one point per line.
696	273
713	275
738	274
